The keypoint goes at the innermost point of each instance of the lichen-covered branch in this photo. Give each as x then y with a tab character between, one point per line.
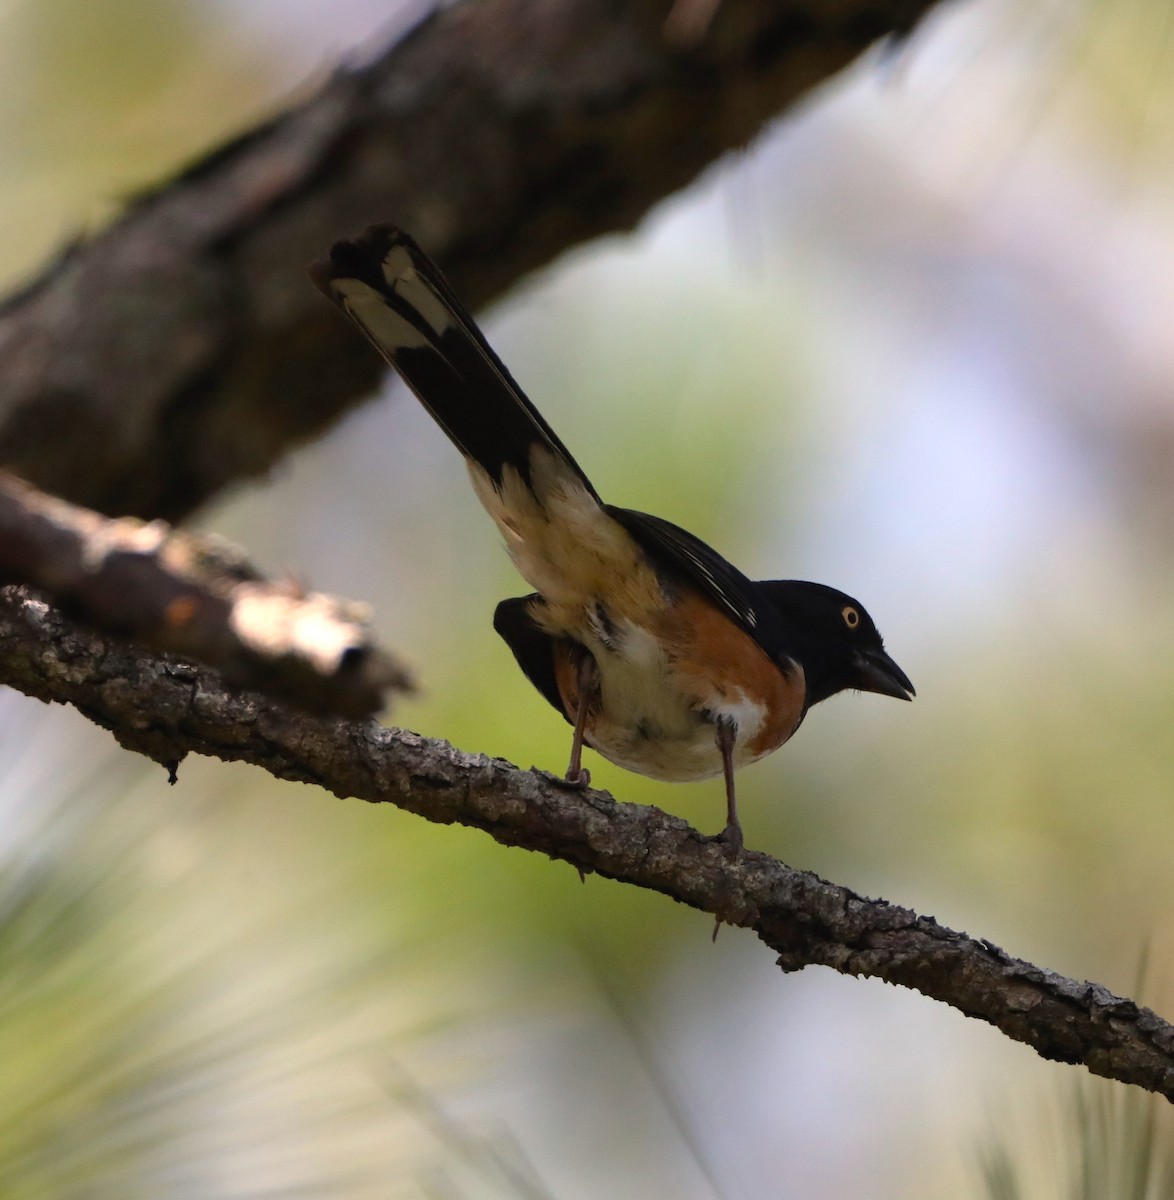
182	349
199	597
167	709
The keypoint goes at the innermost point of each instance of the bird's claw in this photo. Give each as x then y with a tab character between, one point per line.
730	837
580	783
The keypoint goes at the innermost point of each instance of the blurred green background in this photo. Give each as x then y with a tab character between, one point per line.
916	342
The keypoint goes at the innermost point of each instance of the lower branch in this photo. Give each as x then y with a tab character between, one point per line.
199	597
166	709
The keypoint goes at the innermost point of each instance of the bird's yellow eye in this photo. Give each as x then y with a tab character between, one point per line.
851	616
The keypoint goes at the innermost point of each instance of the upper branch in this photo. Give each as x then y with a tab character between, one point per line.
182	349
166	709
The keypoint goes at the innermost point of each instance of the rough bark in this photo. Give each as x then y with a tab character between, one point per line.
182	349
167	709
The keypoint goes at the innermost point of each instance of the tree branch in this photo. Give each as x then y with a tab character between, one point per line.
181	349
197	596
167	709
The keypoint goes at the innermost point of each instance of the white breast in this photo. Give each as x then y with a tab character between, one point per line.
649	722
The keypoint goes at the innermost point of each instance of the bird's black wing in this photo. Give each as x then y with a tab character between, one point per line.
670	547
533	647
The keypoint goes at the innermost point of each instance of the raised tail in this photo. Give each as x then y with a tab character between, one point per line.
397	296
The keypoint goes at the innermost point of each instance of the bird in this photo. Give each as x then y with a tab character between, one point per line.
662	656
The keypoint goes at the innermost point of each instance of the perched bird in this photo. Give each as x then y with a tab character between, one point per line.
661	655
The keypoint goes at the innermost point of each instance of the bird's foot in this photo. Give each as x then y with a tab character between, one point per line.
730	837
579	783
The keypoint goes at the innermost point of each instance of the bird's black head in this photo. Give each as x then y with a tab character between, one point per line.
834	640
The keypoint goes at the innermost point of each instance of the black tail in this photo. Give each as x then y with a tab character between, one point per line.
397	296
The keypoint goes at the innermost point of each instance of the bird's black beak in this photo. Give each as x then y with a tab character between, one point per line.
876	672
